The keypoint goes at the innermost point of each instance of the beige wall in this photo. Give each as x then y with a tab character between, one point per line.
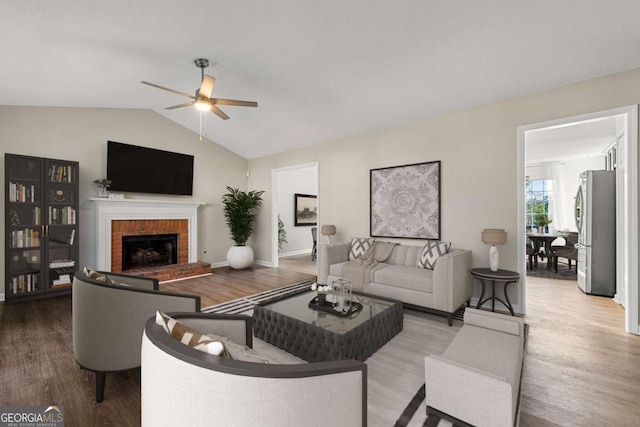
81	134
477	148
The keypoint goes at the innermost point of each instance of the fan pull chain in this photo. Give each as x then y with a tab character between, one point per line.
200	126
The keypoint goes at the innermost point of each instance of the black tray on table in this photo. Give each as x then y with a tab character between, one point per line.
328	307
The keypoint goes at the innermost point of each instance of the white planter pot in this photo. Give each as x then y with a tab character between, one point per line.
239	257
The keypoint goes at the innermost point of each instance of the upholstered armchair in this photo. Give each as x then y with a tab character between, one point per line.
108	320
187	387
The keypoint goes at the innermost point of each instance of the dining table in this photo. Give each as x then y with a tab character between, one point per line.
542	241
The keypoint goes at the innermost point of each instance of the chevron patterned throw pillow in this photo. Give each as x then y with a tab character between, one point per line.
359	246
431	252
189	336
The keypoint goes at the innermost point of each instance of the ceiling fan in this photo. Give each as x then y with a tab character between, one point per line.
203	100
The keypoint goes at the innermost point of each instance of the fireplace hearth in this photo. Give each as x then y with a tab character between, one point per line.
143	251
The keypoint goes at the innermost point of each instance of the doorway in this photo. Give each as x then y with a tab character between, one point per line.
285	183
625	143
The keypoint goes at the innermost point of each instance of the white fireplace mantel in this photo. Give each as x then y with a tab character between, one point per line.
104	211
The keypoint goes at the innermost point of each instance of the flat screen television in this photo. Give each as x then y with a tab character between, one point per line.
146	170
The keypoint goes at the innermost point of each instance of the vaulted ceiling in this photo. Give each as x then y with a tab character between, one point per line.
320	70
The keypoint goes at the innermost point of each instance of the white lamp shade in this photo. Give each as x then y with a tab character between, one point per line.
328	230
494	236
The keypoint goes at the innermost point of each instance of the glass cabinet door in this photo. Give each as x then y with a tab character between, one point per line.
62	222
23	219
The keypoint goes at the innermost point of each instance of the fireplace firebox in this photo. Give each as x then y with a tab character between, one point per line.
149	251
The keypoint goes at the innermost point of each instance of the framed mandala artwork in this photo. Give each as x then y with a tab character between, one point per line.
405	201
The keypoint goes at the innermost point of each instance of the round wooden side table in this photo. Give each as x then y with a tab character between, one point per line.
505	276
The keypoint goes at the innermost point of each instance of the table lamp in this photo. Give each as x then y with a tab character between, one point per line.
493	237
328	230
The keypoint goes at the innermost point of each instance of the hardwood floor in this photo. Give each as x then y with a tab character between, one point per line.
226	283
581	368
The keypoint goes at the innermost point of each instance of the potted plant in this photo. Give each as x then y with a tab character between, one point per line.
103	185
240	210
542	221
282	234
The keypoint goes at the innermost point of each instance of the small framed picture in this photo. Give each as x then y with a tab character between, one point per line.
306	209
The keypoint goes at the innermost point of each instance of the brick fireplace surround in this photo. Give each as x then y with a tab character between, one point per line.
141	227
111	219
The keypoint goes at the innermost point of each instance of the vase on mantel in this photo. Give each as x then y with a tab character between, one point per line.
102	193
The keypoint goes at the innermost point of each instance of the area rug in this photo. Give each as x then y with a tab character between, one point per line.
245	304
563	272
395	371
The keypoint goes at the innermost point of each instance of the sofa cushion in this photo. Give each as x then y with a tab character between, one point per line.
359	246
487	350
431	252
336	269
402	276
404	255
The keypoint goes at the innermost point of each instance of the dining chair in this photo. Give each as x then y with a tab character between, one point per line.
567	251
314	235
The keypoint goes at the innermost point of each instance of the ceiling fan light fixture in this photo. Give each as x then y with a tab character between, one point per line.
202	105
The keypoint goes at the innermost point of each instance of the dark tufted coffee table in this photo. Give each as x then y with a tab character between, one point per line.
315	336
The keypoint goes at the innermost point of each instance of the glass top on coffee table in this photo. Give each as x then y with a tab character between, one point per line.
315	336
297	307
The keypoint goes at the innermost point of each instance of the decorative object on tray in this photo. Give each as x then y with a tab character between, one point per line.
306	209
405	201
321	298
332	308
493	237
342	288
102	185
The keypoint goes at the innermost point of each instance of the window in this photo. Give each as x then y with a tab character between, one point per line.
538	193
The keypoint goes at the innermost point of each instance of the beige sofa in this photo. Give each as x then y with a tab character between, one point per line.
182	386
442	290
477	379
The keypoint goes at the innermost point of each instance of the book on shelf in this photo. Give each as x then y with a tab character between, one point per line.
60	173
71	237
63	279
22	193
60	263
24	283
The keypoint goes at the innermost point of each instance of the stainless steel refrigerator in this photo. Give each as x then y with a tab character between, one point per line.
596	221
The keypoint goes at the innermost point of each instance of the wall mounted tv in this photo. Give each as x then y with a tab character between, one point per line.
146	170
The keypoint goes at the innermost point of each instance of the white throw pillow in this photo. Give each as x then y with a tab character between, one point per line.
431	252
359	246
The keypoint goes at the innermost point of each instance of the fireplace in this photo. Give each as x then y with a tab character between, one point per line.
149	251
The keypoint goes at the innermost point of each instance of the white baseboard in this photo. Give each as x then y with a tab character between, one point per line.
226	264
219	264
263	263
1	297
294	253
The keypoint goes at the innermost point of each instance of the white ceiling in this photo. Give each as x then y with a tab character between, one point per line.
577	140
320	70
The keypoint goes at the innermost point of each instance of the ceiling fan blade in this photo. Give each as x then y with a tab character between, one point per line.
219	112
236	102
186	104
168	90
207	85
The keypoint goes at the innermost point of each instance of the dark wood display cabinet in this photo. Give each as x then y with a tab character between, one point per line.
41	227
